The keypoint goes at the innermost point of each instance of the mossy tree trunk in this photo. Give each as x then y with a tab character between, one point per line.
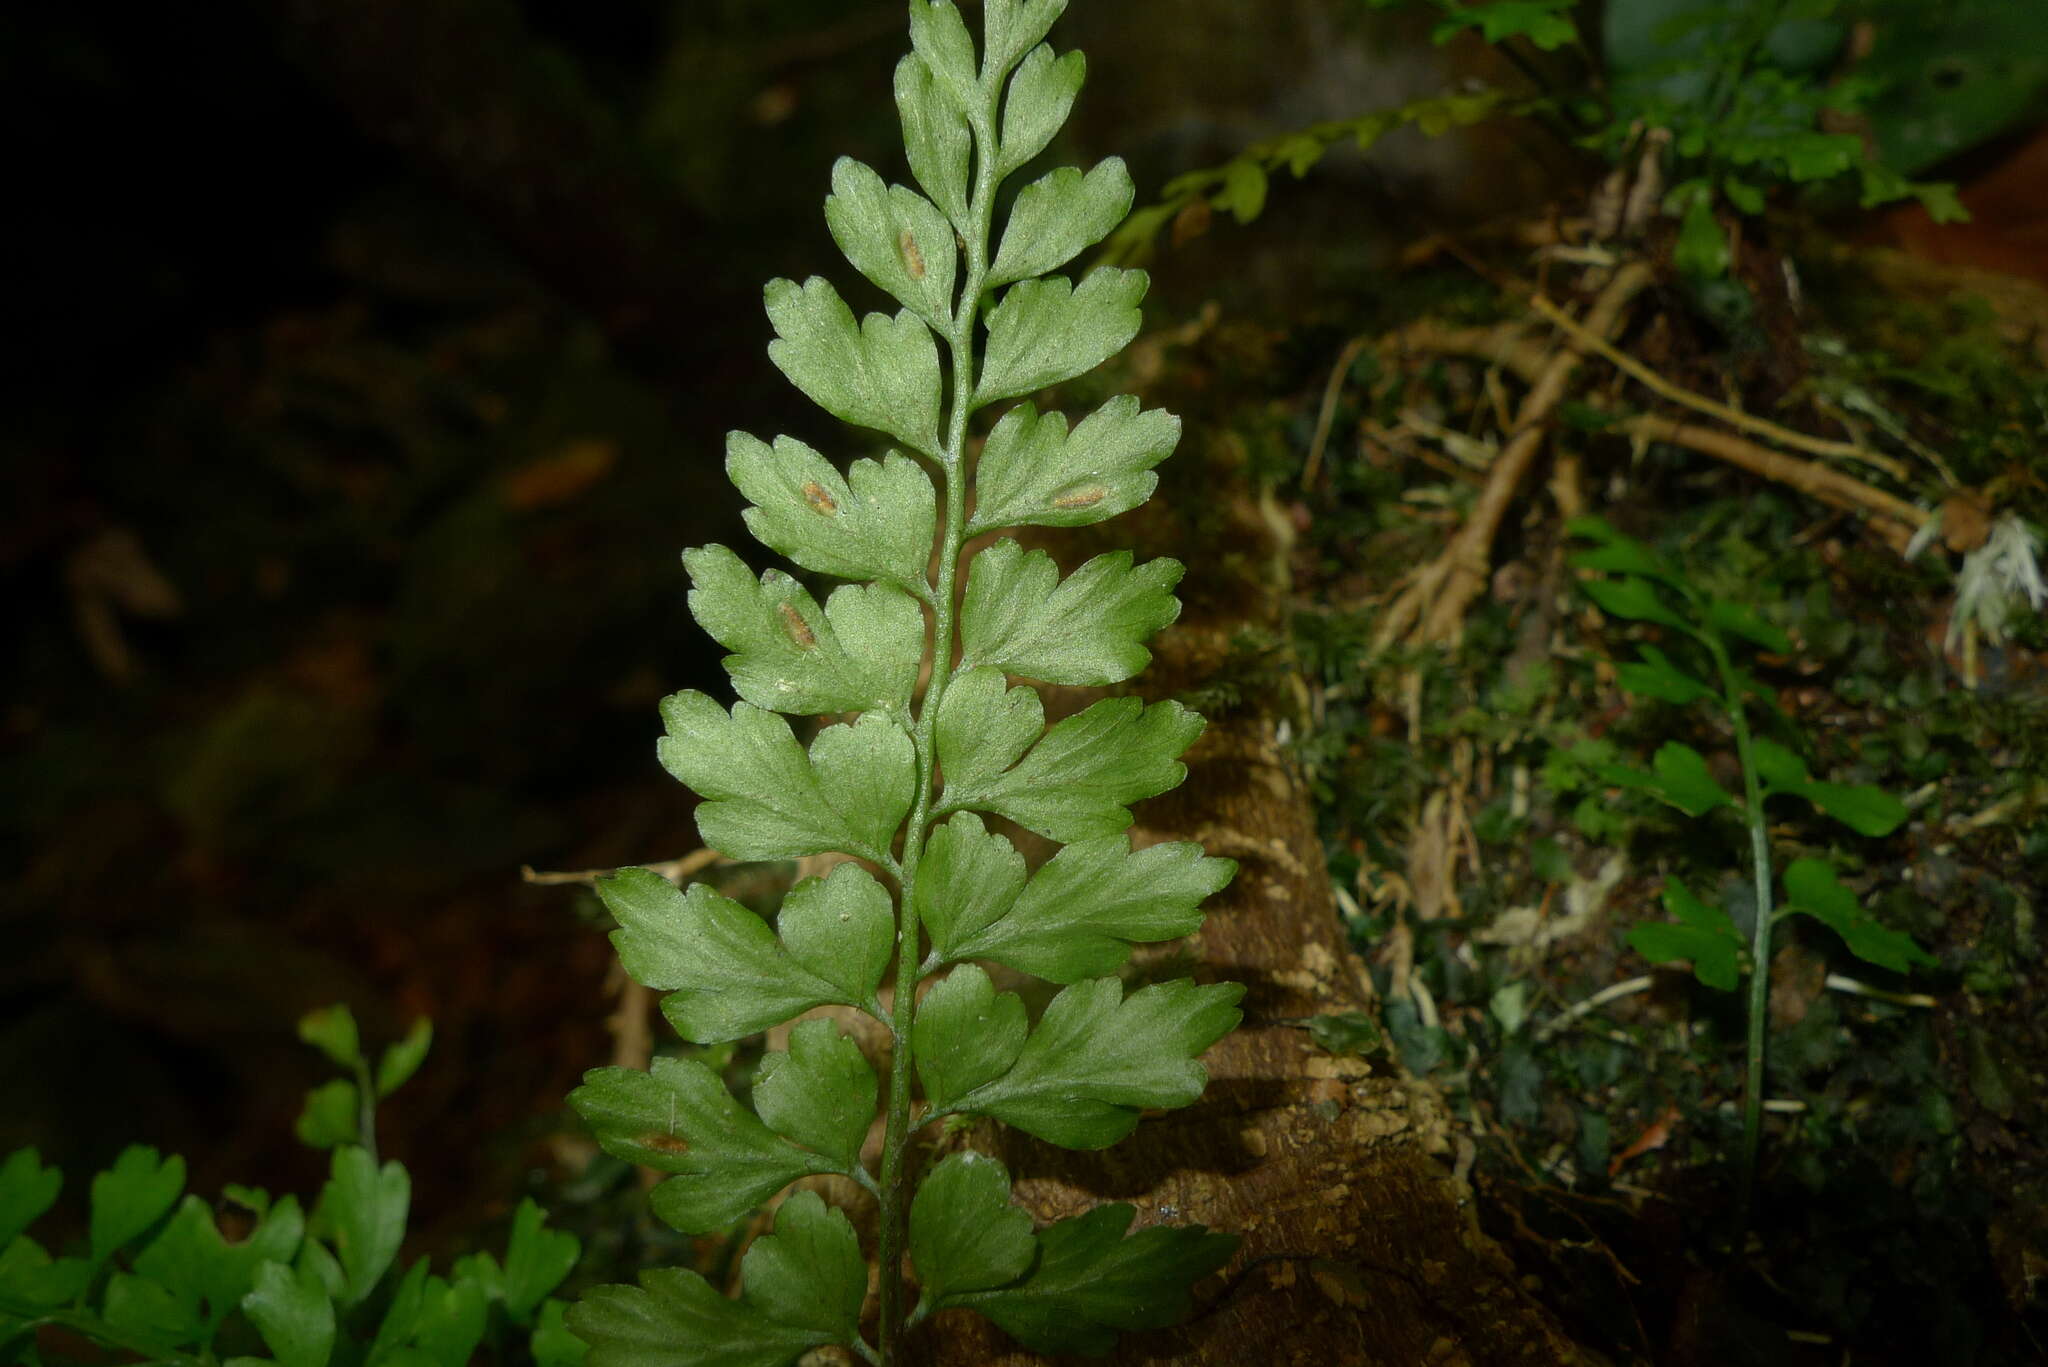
1360	1244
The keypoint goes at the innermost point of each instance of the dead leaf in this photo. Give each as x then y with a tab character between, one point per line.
1654	1136
106	576
556	479
1965	520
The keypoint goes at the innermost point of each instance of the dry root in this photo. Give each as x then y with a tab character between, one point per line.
1429	606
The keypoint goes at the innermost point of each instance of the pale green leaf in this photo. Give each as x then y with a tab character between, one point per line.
1078	781
820	1092
965	1235
680	1119
27	1189
676	1319
728	974
896	238
1041	96
765	799
332	1030
293	1314
966	1034
808	1274
1091	1282
362	1212
1097	1058
1033	471
1058	215
842	928
984	726
1079	914
536	1260
939	35
1812	889
967	880
401	1060
131	1196
936	138
1010	28
1045	331
1018	616
882	374
876	523
860	653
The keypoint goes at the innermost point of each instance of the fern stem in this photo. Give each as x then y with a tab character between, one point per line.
1760	939
895	1182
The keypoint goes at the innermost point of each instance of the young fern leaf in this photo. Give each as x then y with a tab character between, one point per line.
905	787
1649	590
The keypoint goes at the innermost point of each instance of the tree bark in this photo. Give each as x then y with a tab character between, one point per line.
1360	1246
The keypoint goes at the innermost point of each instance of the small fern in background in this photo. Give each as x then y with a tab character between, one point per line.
1727	102
1702	933
165	1280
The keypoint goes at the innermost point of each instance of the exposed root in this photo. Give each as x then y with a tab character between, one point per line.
1511	347
1431	610
1894	519
1700	403
1430	604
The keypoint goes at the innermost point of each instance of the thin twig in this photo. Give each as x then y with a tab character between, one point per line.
1514	353
675	870
1612	992
1446	589
1507	346
1828	485
1327	414
1855	987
